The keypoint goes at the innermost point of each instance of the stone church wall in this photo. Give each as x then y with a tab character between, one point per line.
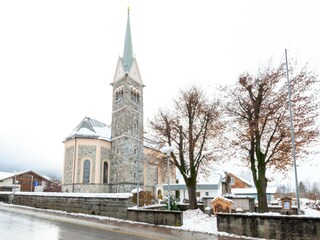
68	165
86	151
86	188
151	178
105	153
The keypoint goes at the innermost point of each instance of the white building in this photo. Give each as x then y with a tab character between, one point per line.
252	192
210	188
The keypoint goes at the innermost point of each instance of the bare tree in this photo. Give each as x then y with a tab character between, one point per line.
259	116
192	127
302	189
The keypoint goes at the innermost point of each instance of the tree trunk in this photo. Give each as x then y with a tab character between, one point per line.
261	185
192	196
262	197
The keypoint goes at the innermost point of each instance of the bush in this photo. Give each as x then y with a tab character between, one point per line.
173	203
145	198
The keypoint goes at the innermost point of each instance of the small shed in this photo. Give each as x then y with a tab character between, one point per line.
286	203
221	204
287	208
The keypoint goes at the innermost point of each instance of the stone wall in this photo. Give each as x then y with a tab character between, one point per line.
269	226
157	217
6	197
111	205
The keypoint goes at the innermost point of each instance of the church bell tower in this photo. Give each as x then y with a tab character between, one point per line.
127	121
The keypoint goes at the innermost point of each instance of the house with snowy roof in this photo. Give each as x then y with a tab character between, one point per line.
243	188
25	181
113	158
252	192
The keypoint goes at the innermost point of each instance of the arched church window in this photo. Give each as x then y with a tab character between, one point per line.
119	93
86	171
105	172
138	97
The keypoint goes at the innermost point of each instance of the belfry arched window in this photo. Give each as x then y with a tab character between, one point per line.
86	171
119	92
135	95
105	172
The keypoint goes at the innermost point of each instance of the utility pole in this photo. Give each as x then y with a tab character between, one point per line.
292	137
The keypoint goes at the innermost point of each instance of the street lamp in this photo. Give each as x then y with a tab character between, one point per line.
167	151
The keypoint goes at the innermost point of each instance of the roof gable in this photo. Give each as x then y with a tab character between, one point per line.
241	180
134	72
6	175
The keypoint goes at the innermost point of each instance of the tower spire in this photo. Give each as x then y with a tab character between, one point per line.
127	50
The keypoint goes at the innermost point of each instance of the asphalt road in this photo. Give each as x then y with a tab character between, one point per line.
18	223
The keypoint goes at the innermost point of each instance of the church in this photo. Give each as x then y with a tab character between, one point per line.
101	158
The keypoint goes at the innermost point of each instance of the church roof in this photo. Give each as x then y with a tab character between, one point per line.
91	128
127	57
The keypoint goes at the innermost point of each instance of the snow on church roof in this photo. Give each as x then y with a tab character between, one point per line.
91	128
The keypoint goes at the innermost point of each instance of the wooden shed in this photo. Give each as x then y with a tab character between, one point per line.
221	204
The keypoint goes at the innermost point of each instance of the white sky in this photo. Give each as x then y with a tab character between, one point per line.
57	60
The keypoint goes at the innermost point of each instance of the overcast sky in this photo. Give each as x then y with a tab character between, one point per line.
58	58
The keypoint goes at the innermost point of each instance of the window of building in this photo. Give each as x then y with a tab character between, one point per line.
117	150
135	151
119	93
86	171
207	194
198	194
105	172
232	180
135	95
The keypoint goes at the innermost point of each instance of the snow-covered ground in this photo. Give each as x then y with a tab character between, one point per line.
196	220
193	220
309	212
